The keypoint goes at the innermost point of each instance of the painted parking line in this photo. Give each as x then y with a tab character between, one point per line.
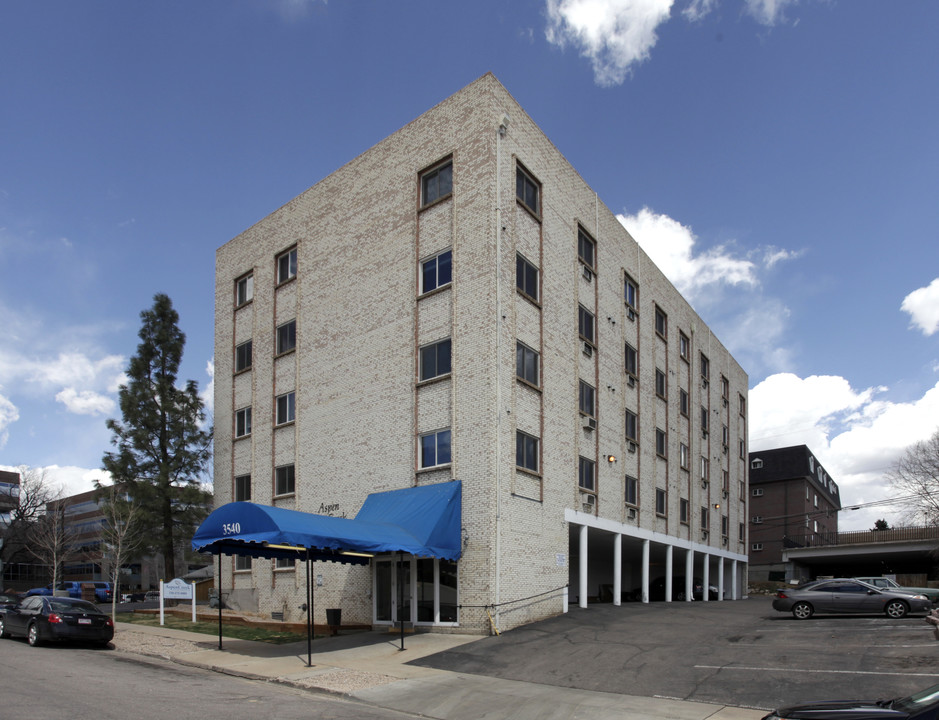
814	672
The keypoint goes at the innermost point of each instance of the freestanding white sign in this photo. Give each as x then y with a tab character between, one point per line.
177	589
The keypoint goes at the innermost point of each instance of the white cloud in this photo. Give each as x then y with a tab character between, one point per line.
208	393
671	247
697	9
69	479
85	402
923	308
613	34
8	415
768	12
855	435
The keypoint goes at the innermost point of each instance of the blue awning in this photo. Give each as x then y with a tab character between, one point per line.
423	521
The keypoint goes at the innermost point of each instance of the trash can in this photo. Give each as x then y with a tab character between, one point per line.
334	620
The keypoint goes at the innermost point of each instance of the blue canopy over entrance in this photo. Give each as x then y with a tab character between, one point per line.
424	521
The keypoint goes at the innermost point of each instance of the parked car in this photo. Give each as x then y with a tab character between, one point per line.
845	595
131	597
41	618
103	592
9	599
657	590
919	706
886	583
152	596
73	587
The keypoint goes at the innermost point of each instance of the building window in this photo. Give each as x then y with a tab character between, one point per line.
526	364
756	464
683	460
243	422
757	519
286	337
705	469
660	502
587	398
435	360
242	562
705	367
725	525
743	405
661	323
741	532
526	451
684	346
632	426
661	443
242	488
743	450
437	271
586	474
585	324
435	449
287	266
284	481
632	361
683	401
586	249
725	482
244	290
526	278
757	547
631	293
285	563
725	390
704	421
632	491
528	191
660	385
684	511
705	518
725	436
437	183
286	408
243	356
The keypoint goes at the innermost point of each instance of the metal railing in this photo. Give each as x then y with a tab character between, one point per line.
863	537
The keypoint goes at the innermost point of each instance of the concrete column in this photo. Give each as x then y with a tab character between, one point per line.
645	571
689	574
582	598
617	568
706	576
668	573
720	578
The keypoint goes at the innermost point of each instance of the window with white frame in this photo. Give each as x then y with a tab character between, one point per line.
285	563
586	474
756	464
705	518
435	359
242	488
526	451
587	399
684	346
683	456
683	401
632	361
435	448
242	562
705	469
632	491
660	505
756	547
705	367
660	384
527	365
704	421
243	422
684	511
661	443
661	323
526	277
757	519
586	249
632	426
244	290
243	356
527	190
287	266
286	408
631	293
437	183
436	271
286	337
284	480
586	324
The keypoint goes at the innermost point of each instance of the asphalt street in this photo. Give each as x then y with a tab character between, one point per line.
742	653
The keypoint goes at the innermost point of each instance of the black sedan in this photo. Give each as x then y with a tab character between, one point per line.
844	595
40	618
919	706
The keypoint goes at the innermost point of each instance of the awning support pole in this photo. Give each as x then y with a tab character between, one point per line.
219	600
401	596
309	611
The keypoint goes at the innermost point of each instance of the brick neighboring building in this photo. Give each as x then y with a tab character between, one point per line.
457	303
793	503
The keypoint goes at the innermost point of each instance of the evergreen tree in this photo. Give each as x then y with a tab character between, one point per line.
161	447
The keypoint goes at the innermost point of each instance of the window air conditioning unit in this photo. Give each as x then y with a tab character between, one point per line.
590	423
704	534
632	447
631	513
588	274
724	401
724	540
588	349
725	494
704	483
630	313
704	381
587	502
725	449
704	433
631	381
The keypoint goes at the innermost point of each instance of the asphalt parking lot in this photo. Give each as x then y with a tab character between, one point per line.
740	653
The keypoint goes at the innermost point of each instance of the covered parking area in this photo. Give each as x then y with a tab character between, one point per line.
612	562
421	521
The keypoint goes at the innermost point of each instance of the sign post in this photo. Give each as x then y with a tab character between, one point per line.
177	589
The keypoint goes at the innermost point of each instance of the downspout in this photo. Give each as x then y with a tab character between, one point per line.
498	563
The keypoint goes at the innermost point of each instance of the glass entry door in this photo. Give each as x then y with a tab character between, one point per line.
393	590
418	590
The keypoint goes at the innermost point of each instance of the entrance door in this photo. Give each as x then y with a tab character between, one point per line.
393	590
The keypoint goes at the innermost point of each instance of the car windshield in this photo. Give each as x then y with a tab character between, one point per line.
917	700
67	607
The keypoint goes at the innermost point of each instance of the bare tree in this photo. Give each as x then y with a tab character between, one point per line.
916	478
36	492
51	538
122	535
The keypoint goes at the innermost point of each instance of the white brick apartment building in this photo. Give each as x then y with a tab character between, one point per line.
456	303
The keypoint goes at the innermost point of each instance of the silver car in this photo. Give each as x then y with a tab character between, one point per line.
844	595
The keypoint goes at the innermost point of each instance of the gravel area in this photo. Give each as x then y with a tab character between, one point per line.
146	644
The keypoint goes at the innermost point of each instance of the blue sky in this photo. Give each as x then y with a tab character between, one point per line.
778	159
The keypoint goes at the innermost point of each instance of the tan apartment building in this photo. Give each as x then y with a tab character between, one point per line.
456	304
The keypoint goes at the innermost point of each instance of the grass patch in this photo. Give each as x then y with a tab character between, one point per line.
242	632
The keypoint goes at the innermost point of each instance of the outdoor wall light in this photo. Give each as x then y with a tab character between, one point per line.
356	554
717	506
611	458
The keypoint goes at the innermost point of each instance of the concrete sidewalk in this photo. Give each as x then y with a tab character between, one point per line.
371	667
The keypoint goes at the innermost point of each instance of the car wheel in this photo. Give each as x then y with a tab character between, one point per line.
32	635
896	609
802	611
2	631
103	643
